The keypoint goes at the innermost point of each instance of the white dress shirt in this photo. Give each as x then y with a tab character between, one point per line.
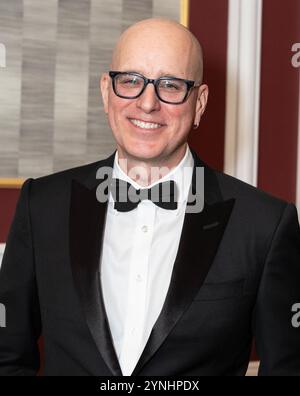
139	250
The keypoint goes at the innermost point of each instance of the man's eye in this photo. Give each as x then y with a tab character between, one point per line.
170	86
130	81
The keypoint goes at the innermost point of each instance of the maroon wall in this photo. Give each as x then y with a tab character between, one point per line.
208	21
277	170
8	200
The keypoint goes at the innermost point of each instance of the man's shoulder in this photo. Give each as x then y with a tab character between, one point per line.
58	185
255	212
246	195
80	173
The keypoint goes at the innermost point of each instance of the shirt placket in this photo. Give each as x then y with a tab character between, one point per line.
137	289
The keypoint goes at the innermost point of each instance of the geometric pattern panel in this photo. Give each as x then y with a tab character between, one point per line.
51	112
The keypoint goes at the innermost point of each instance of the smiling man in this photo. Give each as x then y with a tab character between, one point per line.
131	282
152	129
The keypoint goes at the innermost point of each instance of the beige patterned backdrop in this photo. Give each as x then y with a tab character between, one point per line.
51	115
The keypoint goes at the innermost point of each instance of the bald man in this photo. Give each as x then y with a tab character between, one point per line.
150	262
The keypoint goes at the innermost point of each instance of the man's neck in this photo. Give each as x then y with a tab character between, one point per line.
146	173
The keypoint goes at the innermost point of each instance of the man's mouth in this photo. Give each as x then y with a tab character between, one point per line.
144	124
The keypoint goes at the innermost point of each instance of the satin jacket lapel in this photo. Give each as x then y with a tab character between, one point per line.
200	238
87	221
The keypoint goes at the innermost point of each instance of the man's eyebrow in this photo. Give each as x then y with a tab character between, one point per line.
161	74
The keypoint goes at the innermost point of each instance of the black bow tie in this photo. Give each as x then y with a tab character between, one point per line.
127	198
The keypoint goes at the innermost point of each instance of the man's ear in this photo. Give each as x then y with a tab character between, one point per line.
104	87
202	98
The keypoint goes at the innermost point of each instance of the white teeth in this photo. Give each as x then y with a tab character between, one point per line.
145	125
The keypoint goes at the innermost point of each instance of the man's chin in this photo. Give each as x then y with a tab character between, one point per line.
150	156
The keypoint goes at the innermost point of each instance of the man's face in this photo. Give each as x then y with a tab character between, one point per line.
154	56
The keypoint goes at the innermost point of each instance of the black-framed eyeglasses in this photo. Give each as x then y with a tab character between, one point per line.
130	85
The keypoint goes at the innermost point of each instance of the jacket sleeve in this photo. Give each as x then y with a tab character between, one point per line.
21	323
277	338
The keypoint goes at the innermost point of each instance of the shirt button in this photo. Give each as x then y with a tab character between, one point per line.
145	229
133	331
139	278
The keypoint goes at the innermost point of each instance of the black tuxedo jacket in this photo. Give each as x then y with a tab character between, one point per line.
236	276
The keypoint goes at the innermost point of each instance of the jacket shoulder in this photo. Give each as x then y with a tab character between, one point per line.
248	196
56	187
80	173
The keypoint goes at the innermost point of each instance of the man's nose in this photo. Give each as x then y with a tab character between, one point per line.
148	101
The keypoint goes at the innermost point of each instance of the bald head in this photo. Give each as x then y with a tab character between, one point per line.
160	37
